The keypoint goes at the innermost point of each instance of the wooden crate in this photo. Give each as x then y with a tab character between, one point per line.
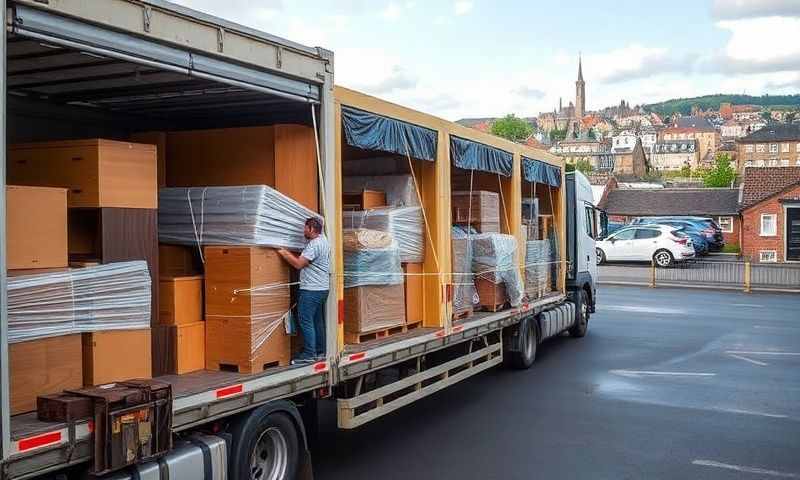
43	367
179	260
492	295
116	355
414	286
246	295
36	226
363	200
159	140
185	345
373	308
96	172
481	210
180	300
296	164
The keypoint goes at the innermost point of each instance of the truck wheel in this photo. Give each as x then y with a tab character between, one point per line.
266	446
581	315
524	358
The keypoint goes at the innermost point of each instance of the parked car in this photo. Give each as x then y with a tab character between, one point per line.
613	227
710	229
661	244
701	244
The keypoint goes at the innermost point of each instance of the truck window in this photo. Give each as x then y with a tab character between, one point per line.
591	227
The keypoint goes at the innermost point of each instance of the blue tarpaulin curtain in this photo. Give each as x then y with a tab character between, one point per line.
369	131
541	172
471	155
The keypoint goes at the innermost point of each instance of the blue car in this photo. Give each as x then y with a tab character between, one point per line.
699	241
706	226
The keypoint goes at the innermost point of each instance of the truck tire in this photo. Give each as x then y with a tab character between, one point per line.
266	446
524	358
581	325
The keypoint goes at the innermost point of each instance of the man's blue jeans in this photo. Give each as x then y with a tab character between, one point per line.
311	313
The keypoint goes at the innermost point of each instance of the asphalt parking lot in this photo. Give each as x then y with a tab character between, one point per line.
669	383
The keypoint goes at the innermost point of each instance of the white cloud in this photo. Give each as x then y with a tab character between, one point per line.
737	9
392	11
462	7
761	39
373	71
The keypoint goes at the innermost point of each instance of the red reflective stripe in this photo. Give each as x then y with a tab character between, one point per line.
341	312
458	328
228	391
440	333
51	438
91	426
357	356
320	366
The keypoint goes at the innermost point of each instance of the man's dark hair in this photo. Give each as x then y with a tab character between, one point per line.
315	224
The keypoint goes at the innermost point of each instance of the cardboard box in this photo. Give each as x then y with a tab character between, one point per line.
186	346
481	210
180	300
463	280
492	295
96	172
363	200
179	260
374	307
43	367
246	298
36	227
414	288
116	355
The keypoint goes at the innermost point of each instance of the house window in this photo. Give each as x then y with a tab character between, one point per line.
785	147
784	162
767	256
749	163
798	148
769	224
761	148
749	148
726	224
773	148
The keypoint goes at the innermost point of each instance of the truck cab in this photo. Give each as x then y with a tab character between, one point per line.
583	227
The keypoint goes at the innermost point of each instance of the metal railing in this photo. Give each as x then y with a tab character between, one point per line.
744	275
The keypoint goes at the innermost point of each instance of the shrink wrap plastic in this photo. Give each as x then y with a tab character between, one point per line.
494	258
241	215
406	225
371	266
115	296
464	292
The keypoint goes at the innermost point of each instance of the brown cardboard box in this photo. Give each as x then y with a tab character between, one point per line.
463	281
36	226
159	139
96	172
43	367
373	307
481	210
116	355
363	200
246	297
180	300
186	346
177	260
492	295
414	288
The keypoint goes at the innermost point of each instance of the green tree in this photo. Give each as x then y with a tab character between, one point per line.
583	166
722	175
512	128
766	116
557	135
591	134
686	171
789	117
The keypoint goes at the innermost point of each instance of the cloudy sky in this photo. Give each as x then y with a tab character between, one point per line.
473	58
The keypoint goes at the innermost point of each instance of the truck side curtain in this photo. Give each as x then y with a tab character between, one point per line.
537	171
471	155
369	131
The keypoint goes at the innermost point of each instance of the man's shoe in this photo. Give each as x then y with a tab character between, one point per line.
302	361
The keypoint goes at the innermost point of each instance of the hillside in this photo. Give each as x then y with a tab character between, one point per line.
684	105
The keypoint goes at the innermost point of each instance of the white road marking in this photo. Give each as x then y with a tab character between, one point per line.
740	468
754	362
632	308
750	412
750	305
738	352
638	373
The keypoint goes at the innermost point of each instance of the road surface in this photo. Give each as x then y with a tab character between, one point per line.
668	383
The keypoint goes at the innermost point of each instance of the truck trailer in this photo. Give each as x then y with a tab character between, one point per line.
123	69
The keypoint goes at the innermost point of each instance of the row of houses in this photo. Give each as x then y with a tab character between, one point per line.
761	216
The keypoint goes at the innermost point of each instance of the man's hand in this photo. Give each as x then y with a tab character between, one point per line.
283	252
298	262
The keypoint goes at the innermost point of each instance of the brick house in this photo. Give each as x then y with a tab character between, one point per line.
721	204
770	210
776	145
695	128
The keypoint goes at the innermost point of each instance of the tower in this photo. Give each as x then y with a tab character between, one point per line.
580	93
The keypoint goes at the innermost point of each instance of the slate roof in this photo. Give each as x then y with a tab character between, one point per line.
761	183
694	123
673	201
780	132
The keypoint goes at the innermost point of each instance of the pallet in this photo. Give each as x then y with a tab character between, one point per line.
413	325
494	307
463	314
245	368
361	337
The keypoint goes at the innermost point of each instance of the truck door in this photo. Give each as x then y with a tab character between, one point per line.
586	242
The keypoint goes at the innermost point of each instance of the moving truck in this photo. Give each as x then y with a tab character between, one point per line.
124	69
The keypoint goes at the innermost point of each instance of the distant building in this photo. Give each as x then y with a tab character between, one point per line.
671	155
596	152
775	145
726	111
770	209
695	128
733	129
633	162
746	112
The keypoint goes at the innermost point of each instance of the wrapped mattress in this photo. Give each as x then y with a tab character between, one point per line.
406	225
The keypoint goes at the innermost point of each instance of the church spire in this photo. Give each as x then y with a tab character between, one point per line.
580	70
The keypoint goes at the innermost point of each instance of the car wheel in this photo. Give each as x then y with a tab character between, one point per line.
663	258
578	330
601	256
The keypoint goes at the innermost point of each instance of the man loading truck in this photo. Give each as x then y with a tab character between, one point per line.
314	263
